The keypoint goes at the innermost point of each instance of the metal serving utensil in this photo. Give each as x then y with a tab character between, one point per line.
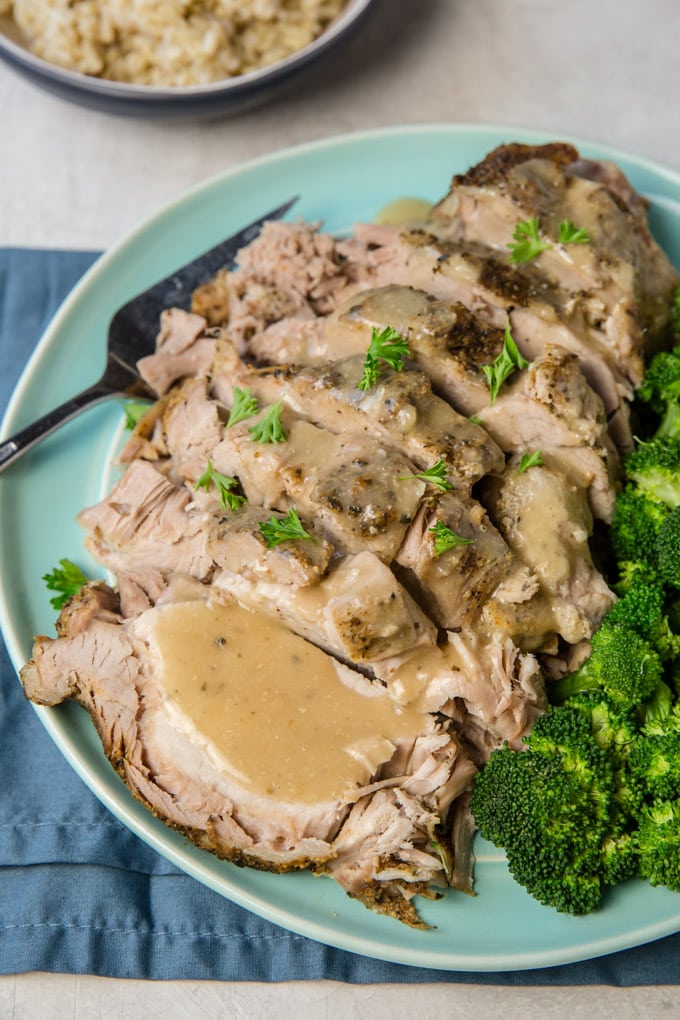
132	335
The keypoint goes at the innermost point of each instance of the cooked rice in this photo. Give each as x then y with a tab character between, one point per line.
169	42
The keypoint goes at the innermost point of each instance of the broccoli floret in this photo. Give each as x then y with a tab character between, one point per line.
668	549
659	713
551	821
642	609
655	469
620	858
622	664
636	524
562	808
658	839
660	389
654	763
612	728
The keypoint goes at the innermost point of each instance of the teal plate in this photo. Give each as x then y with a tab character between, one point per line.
340	181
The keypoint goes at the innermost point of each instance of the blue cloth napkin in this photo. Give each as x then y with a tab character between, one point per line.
81	894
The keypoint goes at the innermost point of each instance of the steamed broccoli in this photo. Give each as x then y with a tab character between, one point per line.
654	762
622	664
636	525
642	608
658	841
660	389
655	469
668	549
558	808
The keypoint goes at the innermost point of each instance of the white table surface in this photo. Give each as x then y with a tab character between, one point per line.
603	70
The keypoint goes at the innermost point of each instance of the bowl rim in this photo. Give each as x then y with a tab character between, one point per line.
241	83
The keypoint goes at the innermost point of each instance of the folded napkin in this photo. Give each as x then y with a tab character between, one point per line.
81	894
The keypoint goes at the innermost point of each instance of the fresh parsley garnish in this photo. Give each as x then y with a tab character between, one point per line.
475	420
387	346
224	485
436	475
529	460
67	579
269	428
244	405
134	409
507	362
571	234
284	529
443	538
527	244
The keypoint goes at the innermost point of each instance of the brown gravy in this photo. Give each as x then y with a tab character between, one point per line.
272	704
405	210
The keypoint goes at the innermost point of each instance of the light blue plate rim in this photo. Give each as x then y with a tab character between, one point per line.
340	179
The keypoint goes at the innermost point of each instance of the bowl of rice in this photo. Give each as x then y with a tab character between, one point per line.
170	58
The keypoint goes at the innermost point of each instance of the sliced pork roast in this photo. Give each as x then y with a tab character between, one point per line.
319	632
302	805
620	273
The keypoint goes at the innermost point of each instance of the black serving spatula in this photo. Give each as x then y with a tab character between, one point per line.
132	335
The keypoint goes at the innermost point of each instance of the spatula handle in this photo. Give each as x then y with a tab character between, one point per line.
14	447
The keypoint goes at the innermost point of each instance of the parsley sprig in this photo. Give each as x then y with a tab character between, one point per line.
530	460
571	234
443	538
244	405
527	244
134	409
269	428
508	361
67	579
224	485
435	475
387	346
284	529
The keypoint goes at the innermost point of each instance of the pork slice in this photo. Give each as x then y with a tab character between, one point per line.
502	687
291	340
291	270
447	342
350	483
139	590
185	346
237	544
111	666
192	427
520	608
358	611
400	407
539	313
629	237
545	520
389	848
621	273
211	299
550	407
453	585
108	669
148	522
